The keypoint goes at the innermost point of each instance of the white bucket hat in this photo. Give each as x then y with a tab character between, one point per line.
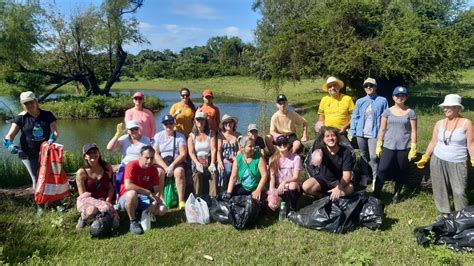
452	100
332	80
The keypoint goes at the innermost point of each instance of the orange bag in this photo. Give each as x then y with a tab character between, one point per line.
52	181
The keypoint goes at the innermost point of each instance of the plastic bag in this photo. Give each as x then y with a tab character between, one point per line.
196	210
220	211
273	199
170	193
102	225
240	211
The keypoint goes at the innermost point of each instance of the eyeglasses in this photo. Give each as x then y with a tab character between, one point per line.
138	98
366	86
282	103
208	97
168	123
134	129
332	86
281	144
226	123
185	95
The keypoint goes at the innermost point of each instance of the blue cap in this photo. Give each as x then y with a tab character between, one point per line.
400	90
167	118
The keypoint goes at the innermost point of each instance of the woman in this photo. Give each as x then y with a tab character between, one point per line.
143	116
251	170
94	184
202	150
227	148
212	112
365	126
130	145
451	141
183	112
397	131
285	169
171	152
36	125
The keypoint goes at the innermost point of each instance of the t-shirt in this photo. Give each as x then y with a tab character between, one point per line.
131	152
144	118
332	166
286	167
213	116
165	143
286	123
33	132
368	122
398	133
184	120
249	174
143	177
337	111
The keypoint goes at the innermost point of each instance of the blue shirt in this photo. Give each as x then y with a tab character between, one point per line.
379	105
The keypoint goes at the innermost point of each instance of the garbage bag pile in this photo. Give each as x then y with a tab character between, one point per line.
341	216
456	231
239	211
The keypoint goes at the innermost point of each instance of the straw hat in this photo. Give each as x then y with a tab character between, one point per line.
332	80
226	117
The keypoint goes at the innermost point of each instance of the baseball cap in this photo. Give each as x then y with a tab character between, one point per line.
87	147
167	118
132	124
207	92
370	81
27	96
252	127
281	98
200	114
400	90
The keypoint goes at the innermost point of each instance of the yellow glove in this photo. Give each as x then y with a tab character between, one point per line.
421	163
412	152
119	131
378	149
349	138
472	161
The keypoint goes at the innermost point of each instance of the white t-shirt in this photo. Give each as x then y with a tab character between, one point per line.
131	152
165	143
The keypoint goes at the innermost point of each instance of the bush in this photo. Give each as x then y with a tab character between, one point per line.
79	107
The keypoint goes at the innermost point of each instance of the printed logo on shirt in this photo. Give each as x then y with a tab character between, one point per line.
38	133
146	178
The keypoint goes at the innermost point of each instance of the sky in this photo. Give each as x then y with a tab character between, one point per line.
175	24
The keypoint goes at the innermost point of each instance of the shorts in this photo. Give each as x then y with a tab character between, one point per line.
144	202
325	184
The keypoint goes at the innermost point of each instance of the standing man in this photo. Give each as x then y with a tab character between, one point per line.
284	122
140	189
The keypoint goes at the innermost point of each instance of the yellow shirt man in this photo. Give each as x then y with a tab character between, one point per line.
337	111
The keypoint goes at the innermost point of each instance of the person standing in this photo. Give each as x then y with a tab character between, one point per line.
36	126
449	147
143	116
183	112
212	112
365	126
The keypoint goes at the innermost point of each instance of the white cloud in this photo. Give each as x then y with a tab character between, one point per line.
172	28
195	10
232	31
144	26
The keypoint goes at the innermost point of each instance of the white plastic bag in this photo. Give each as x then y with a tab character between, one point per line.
145	220
196	210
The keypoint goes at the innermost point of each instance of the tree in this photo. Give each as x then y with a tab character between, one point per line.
396	42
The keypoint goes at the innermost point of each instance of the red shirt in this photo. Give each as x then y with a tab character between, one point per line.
142	177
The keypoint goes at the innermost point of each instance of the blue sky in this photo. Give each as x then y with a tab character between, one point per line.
175	24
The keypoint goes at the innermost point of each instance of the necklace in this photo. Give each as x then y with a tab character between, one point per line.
447	140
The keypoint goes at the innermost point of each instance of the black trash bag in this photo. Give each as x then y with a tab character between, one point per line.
102	225
240	211
219	211
372	214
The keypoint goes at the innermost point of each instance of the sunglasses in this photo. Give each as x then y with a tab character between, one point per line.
168	123
332	86
185	95
282	103
226	123
281	144
368	86
138	98
134	129
200	119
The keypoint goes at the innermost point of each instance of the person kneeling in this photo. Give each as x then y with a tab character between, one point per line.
140	190
335	163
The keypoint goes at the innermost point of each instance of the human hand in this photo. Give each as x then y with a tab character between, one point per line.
119	130
256	195
51	138
155	197
378	149
472	161
317	157
212	168
11	147
412	152
281	188
170	170
424	159
350	138
220	166
177	112
335	193
199	167
226	196
318	126
304	138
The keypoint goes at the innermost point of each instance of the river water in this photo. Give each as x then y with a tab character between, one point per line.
75	133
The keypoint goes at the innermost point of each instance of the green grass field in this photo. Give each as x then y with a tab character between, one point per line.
51	239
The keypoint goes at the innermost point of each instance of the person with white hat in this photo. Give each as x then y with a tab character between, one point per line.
365	124
449	147
141	115
227	148
36	126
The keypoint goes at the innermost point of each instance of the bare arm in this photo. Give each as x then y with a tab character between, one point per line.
158	159
383	128
113	144
219	149
305	131
470	138
111	191
233	177
213	147
413	131
130	186
54	129
262	167
14	129
191	151
182	154
81	176
434	140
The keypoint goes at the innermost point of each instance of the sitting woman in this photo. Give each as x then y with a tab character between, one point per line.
335	163
227	148
202	150
285	169
94	183
250	168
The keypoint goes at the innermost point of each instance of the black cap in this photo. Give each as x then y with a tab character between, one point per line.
282	140
281	98
88	147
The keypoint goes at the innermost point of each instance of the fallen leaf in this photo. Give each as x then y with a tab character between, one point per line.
207	257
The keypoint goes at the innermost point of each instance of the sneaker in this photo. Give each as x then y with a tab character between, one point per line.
136	228
80	224
181	205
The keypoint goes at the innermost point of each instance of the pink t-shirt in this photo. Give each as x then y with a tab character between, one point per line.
286	167
145	119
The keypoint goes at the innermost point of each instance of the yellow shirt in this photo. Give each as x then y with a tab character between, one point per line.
337	112
184	120
286	123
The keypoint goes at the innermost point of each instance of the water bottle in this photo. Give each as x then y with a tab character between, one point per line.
282	214
145	220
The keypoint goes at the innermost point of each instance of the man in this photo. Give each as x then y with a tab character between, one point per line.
212	111
140	189
284	122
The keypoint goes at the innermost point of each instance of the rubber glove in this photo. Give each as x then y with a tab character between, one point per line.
212	168
378	149
119	130
412	152
349	138
11	147
170	171
472	161
199	168
177	112
226	195
51	138
421	163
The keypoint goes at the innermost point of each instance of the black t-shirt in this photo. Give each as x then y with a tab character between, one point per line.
332	166
33	132
259	142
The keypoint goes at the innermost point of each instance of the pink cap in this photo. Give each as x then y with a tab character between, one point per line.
138	94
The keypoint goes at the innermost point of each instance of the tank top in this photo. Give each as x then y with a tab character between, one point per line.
249	174
202	148
98	188
229	150
451	147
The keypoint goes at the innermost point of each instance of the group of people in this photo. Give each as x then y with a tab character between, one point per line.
225	163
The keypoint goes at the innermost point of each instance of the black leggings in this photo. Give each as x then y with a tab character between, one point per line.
393	164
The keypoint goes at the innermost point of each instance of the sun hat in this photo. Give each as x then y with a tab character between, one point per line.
167	118
370	81
207	92
27	96
281	98
226	117
138	95
252	127
200	114
400	90
132	124
452	100
87	147
332	80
